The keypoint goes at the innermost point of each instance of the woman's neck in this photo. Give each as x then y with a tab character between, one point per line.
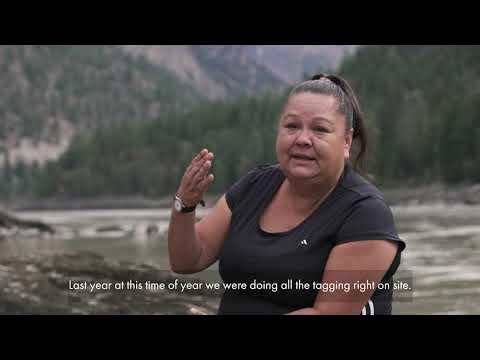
309	193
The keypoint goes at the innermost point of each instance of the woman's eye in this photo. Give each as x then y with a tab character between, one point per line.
320	129
291	126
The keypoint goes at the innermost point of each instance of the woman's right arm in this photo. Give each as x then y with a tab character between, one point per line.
194	246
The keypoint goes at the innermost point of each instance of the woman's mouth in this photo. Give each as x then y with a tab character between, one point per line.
302	157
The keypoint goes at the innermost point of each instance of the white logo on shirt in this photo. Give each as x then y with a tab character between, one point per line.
304	242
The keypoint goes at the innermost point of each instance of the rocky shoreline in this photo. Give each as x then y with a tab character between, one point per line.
48	284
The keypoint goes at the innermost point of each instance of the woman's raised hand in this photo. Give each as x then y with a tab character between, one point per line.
196	179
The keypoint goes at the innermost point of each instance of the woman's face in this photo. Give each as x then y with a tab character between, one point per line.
312	141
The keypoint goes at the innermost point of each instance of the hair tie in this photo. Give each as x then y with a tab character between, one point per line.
318	76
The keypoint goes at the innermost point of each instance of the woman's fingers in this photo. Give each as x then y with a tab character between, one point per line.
196	163
201	173
200	155
205	183
195	180
199	170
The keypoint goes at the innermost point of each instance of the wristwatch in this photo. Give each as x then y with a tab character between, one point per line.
180	206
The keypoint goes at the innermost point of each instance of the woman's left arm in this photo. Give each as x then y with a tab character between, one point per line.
351	275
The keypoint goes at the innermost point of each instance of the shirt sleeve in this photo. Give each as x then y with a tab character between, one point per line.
370	219
238	190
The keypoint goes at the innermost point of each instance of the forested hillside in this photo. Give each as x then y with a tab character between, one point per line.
421	103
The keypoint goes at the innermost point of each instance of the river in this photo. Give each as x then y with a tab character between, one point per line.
442	255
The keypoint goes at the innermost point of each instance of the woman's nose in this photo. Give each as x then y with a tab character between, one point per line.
303	138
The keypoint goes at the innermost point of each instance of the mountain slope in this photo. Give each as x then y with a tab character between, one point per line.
50	92
220	71
291	62
217	71
423	127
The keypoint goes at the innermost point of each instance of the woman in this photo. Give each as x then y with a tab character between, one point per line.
308	235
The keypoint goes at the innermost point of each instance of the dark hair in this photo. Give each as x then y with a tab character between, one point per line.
348	105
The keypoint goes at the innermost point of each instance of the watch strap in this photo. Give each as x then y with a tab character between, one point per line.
187	209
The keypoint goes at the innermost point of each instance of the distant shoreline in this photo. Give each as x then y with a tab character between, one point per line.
421	195
433	194
99	203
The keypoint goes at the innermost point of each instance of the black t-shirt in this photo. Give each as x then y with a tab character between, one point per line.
355	210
